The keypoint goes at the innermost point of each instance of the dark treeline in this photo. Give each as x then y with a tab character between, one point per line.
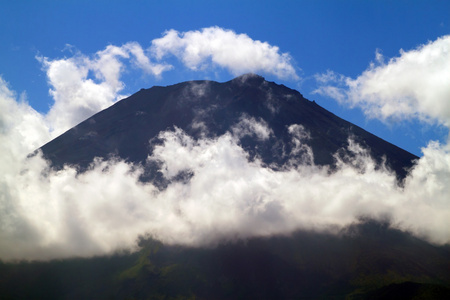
365	261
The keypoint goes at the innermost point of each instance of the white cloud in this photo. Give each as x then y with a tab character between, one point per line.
249	126
78	95
300	153
415	84
22	129
215	46
142	61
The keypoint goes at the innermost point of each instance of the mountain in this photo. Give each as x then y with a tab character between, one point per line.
129	129
366	260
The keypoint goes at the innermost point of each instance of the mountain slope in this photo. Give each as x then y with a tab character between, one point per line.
129	129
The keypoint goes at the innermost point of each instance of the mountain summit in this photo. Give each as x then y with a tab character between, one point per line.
272	122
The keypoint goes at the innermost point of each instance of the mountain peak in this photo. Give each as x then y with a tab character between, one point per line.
249	78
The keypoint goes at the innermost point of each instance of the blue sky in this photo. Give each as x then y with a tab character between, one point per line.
319	36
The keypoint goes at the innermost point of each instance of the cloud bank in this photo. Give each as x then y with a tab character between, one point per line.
47	214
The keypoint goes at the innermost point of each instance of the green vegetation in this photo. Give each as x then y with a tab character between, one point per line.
371	262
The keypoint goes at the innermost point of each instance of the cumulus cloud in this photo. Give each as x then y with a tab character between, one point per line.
215	46
82	85
413	85
22	128
230	197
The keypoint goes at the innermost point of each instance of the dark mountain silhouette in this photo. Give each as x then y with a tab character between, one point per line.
367	260
129	128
